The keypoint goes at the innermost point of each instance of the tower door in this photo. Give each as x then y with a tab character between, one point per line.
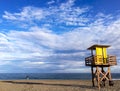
101	55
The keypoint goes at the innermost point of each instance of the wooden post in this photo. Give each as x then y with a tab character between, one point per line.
91	52
92	71
104	79
110	78
98	77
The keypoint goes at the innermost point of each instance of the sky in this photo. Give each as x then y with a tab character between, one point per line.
51	36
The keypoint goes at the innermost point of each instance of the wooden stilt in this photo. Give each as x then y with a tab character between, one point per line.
98	77
92	71
103	81
109	73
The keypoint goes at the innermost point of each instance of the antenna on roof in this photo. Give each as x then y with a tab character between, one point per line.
98	41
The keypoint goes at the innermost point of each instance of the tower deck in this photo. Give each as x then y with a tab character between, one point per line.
92	61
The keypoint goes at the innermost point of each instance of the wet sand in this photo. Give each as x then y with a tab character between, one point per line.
54	85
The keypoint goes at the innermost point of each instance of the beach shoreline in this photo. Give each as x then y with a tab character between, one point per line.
54	85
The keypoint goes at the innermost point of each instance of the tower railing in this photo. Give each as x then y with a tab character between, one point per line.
100	60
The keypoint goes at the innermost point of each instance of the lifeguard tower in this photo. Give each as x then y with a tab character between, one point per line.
100	63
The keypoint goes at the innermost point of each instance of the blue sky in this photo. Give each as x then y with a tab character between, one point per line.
52	36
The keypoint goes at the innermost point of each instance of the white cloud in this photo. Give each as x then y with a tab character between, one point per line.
27	14
50	2
65	13
9	16
5	63
67	5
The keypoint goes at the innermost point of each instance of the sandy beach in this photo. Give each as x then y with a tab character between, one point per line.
54	85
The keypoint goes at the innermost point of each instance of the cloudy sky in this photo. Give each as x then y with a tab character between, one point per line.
53	35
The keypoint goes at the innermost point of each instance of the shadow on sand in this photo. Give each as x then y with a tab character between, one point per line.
50	84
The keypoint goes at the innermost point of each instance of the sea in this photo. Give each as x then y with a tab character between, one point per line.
54	76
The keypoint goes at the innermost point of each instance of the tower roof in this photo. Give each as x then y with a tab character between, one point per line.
93	47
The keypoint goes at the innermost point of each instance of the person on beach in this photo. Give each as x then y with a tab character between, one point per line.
27	77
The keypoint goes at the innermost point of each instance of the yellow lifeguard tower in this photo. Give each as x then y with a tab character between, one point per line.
100	63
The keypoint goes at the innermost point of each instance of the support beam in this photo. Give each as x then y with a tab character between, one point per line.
101	76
